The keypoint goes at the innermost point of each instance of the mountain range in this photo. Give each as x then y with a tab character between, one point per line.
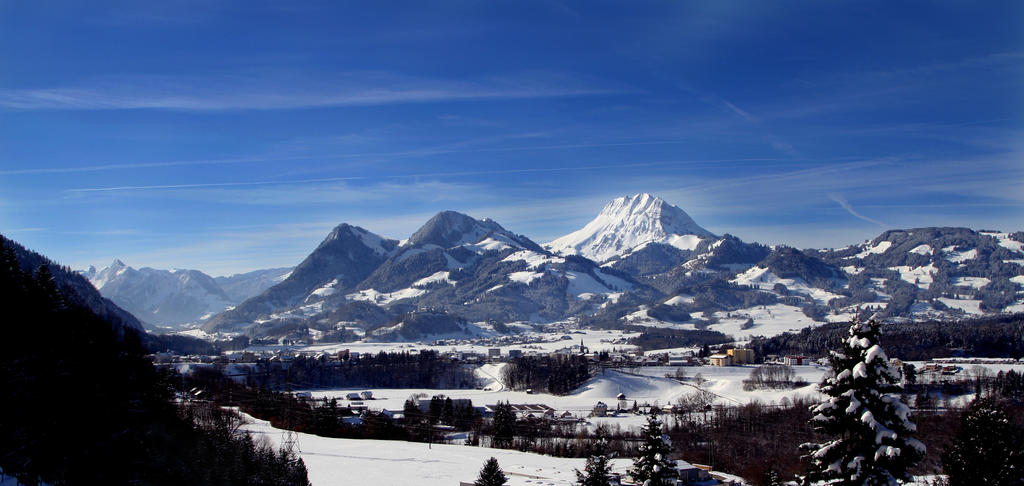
641	261
174	299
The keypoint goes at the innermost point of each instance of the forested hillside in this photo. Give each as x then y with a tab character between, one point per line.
85	406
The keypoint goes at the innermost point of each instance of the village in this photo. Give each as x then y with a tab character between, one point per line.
626	385
662	377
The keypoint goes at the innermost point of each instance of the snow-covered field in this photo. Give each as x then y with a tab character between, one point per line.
392	462
331	461
769	320
379	462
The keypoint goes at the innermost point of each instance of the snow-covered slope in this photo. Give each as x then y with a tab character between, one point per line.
244	285
343	259
934	272
629	223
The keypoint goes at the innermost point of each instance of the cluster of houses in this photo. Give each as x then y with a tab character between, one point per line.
615	359
939	369
526	340
739	357
625	406
728	357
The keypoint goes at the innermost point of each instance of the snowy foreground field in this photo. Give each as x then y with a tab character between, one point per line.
337	461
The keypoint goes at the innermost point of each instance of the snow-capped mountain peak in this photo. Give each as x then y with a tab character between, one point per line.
448	229
374	242
628	223
100	278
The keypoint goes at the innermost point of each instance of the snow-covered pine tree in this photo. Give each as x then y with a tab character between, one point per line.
652	467
870	427
595	473
491	474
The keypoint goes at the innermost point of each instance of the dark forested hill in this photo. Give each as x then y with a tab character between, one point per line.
77	291
83	404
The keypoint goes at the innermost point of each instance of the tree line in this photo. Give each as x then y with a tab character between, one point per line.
426	369
995	337
556	374
662	338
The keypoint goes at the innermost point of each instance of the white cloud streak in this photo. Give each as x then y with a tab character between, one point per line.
422	152
846	205
739	111
150	165
210	185
262	92
391	177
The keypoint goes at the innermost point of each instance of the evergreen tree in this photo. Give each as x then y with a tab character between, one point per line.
504	425
48	290
491	474
987	451
652	467
11	276
436	404
909	374
597	469
411	411
447	411
870	428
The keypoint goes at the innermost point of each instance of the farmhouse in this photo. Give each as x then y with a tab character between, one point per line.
693	475
794	360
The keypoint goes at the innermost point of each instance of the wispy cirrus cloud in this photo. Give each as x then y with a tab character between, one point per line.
260	91
22	230
838	198
418	175
419	152
739	111
149	165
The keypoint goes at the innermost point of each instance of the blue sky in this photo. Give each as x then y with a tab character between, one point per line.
228	136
